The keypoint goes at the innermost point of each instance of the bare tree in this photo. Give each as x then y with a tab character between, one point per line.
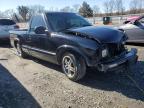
35	9
106	7
2	15
23	11
140	5
51	9
111	6
76	8
136	6
96	10
15	17
119	7
9	13
133	6
66	9
56	9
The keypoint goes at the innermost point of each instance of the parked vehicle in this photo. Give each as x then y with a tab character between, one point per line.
5	26
69	40
130	19
135	30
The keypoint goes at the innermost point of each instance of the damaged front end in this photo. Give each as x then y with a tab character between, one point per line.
118	57
113	51
127	58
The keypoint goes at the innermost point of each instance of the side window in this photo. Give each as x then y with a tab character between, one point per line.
36	22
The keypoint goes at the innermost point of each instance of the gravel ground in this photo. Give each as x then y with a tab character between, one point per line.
32	83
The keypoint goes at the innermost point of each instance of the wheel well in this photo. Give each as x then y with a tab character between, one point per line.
15	43
61	53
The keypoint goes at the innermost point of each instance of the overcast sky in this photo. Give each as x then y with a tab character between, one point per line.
12	4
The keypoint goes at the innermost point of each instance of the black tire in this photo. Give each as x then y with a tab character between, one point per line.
77	69
20	52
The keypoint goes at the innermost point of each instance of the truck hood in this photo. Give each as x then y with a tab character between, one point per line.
101	34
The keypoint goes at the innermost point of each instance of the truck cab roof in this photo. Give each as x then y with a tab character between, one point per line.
60	12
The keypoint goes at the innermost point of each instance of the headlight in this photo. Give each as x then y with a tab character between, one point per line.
124	42
104	52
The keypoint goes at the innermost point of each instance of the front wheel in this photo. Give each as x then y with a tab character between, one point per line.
73	66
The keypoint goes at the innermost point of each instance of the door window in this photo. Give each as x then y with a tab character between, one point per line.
36	22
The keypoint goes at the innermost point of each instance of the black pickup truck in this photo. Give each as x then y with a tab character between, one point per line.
69	40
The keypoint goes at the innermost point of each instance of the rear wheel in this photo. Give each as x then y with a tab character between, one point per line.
73	66
20	51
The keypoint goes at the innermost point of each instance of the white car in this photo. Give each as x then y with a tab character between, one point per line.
5	26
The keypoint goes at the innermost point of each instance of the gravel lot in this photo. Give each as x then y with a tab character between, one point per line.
32	83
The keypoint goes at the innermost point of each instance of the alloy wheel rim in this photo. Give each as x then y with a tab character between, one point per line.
69	66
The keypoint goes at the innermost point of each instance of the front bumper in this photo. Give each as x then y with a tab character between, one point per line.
129	58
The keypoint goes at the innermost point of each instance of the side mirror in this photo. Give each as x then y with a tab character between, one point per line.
40	30
47	33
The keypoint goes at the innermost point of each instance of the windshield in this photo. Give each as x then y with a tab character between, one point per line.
64	21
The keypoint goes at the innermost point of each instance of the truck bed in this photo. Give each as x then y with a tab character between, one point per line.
18	31
15	34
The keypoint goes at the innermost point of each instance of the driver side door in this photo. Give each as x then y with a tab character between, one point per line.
37	41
